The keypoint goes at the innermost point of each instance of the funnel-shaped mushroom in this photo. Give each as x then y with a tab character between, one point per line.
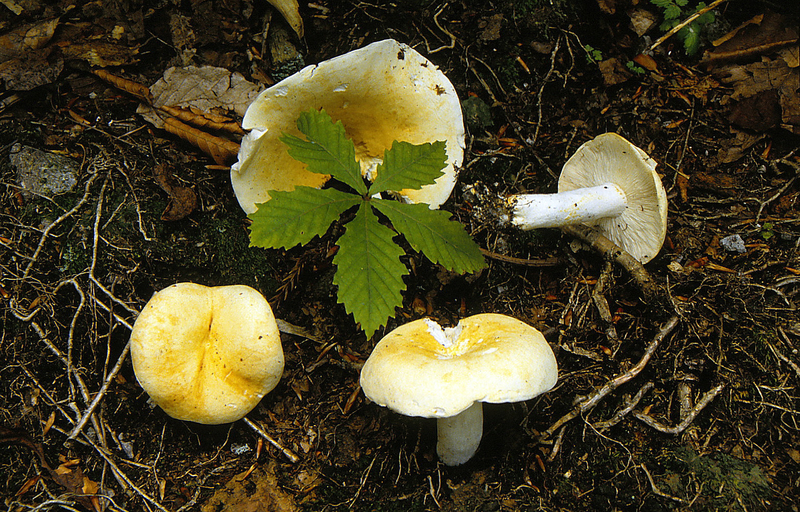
381	93
608	183
207	354
420	369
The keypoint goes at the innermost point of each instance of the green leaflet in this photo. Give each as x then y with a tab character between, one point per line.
432	233
408	165
295	217
369	274
327	150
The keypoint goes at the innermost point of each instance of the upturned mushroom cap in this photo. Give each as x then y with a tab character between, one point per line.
609	158
207	354
419	369
383	92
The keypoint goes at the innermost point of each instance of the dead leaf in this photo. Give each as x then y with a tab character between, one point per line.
290	10
182	200
205	120
205	89
22	40
100	54
614	72
68	475
133	88
759	112
258	491
221	150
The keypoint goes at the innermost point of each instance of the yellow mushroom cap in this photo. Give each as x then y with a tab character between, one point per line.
207	354
383	92
420	369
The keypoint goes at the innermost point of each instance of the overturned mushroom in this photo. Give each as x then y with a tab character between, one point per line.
608	183
381	93
420	369
207	354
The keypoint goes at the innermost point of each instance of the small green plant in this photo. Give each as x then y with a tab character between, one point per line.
593	55
675	11
767	231
635	68
369	273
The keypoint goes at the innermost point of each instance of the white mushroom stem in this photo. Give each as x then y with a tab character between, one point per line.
460	435
578	206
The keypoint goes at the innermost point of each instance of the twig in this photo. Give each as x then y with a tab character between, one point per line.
452	37
782	357
656	490
546	262
601	303
630	404
685	22
591	401
651	291
55	223
541	90
685	422
260	431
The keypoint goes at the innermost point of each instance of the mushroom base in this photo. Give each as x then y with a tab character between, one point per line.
460	435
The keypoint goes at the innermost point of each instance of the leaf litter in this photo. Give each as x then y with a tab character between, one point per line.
740	323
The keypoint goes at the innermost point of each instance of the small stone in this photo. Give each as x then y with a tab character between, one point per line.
43	173
733	243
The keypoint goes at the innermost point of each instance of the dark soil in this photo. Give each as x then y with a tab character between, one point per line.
70	290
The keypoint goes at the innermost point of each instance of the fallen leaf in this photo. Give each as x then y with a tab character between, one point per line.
28	37
182	200
221	150
203	89
68	475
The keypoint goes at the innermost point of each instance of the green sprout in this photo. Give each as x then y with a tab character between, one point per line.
369	273
674	11
592	54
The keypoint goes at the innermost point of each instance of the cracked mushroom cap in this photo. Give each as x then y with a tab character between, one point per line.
383	92
609	158
420	369
207	354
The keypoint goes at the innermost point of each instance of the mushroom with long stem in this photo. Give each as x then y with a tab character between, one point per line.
421	369
609	184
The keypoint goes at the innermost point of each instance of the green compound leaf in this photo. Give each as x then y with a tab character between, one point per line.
432	233
295	217
408	165
369	273
327	150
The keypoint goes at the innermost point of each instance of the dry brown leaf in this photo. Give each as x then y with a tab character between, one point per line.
133	88
207	121
68	475
203	89
99	53
182	200
223	151
22	40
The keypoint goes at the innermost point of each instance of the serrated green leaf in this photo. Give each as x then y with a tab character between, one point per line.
691	38
369	273
327	150
408	165
432	233
662	3
672	12
295	217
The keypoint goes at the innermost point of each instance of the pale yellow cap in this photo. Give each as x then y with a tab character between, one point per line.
420	369
207	354
383	92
